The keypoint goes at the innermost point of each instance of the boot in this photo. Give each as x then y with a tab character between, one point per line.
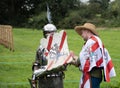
33	83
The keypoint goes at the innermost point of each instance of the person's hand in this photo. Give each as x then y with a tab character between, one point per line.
75	59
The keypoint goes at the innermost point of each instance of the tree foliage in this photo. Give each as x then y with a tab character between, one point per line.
64	13
15	12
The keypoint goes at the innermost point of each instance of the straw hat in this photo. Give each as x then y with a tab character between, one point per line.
86	26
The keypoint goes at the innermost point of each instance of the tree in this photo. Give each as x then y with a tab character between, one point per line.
114	8
59	10
18	12
102	5
15	12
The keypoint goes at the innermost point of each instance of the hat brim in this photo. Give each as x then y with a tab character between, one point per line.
79	28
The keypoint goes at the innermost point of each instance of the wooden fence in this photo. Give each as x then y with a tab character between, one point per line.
6	36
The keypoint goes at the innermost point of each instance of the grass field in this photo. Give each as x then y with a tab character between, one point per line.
15	67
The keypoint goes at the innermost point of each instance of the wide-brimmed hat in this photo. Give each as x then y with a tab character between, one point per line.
87	26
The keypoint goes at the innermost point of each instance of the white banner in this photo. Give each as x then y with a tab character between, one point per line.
57	52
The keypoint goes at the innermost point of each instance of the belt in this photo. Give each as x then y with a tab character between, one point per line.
56	74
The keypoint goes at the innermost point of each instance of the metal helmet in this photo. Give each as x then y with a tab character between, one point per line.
49	27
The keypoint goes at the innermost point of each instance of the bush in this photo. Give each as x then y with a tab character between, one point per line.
37	21
71	20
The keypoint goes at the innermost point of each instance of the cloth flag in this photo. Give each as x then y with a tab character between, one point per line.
99	57
57	52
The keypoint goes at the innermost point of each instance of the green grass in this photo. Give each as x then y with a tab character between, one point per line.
15	67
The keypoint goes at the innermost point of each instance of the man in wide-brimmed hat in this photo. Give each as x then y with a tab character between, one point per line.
91	60
88	28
